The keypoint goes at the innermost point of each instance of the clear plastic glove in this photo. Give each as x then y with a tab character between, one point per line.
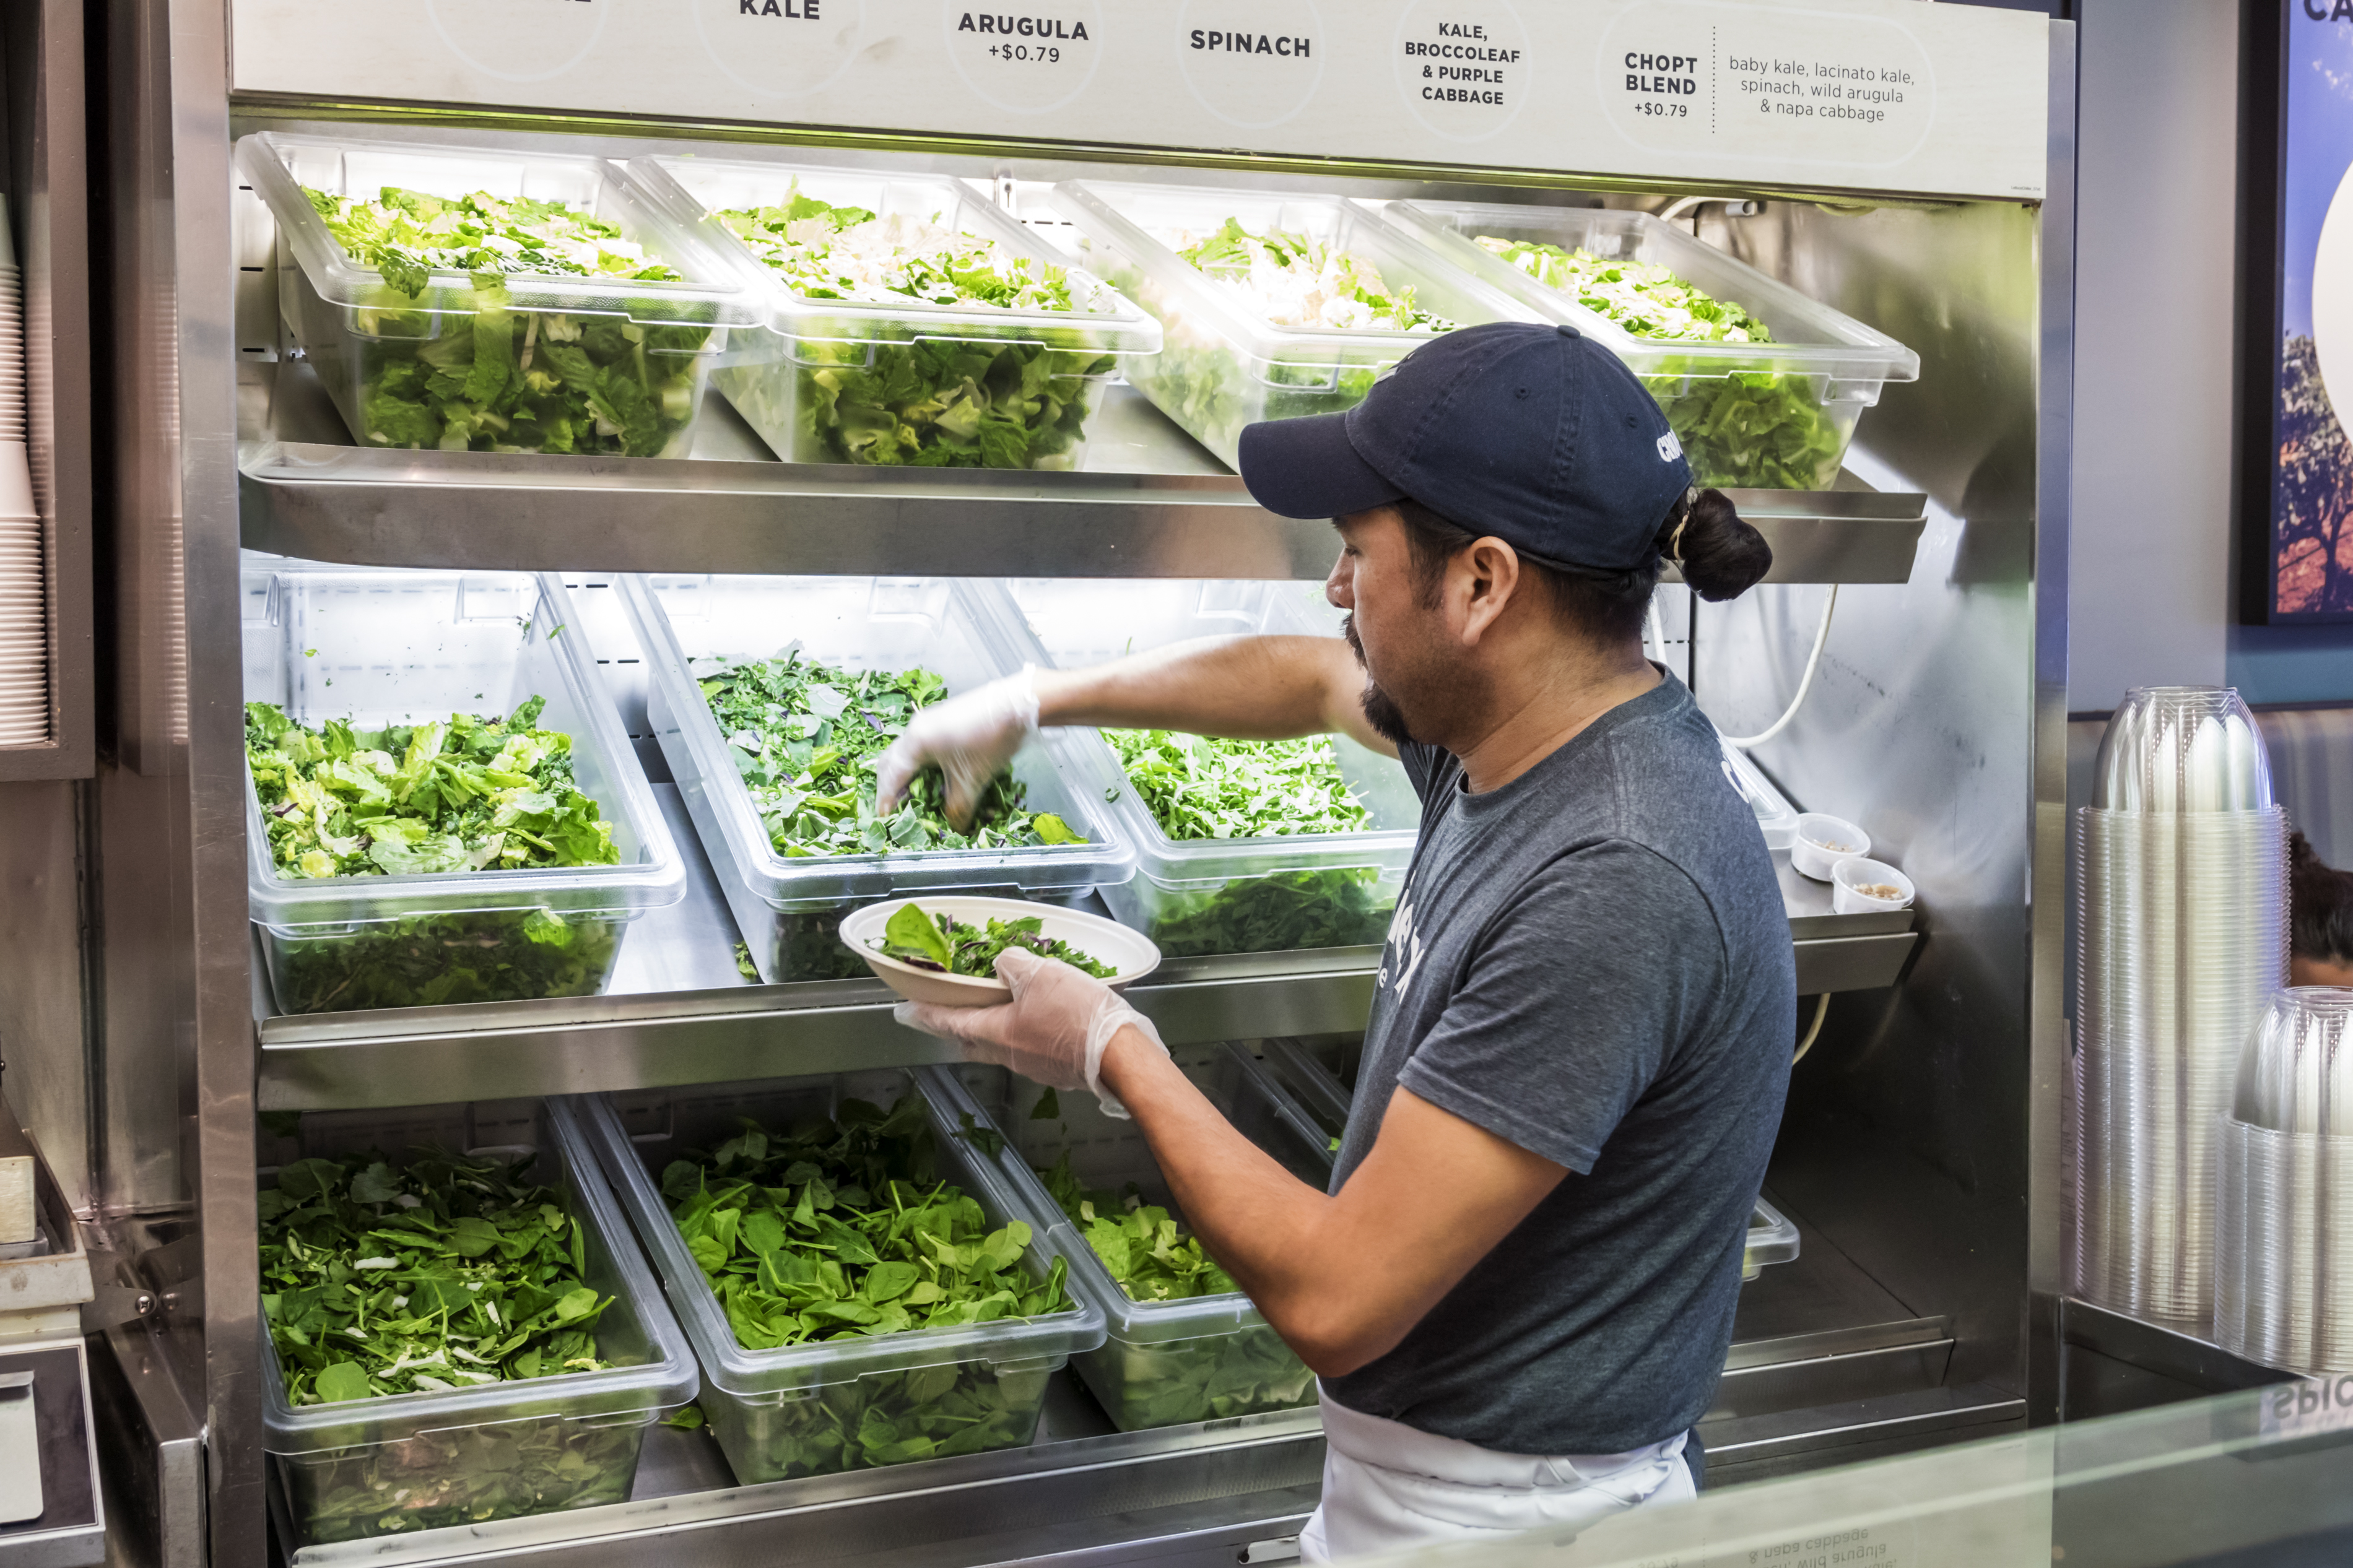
1053	1032
971	738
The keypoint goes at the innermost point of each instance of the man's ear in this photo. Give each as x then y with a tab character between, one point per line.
1482	582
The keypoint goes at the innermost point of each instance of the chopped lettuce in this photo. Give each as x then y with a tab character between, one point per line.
463	795
930	402
1758	430
473	373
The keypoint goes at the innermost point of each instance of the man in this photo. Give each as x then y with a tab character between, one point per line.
1519	1290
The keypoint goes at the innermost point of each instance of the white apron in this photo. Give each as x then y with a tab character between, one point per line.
1386	1487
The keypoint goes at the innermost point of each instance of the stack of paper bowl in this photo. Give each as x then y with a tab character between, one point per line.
2284	1227
2181	932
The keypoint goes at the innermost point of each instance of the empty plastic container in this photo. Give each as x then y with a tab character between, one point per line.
1224	365
1775	415
638	392
2283	1230
383	647
824	1407
789	908
402	1463
1162	1363
822	378
1199	896
1777	819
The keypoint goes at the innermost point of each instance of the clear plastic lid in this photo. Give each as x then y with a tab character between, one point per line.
1776	817
692	191
386	647
278	166
2182	749
1134	229
2296	1074
1810	338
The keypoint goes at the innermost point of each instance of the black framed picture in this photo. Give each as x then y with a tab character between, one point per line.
2297	566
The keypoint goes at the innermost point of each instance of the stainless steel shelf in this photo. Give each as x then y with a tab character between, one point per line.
679	1013
1152	504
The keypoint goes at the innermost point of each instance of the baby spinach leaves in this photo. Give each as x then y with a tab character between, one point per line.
952	947
843	1230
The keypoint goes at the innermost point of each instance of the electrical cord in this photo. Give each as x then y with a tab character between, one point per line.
1805	684
1822	1010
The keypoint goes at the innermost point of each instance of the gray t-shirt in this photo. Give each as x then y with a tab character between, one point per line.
1594	962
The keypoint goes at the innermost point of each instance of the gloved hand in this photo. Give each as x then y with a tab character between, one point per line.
1053	1032
971	737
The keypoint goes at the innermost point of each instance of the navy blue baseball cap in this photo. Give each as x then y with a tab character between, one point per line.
1535	433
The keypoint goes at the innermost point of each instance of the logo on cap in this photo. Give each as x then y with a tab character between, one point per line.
1669	447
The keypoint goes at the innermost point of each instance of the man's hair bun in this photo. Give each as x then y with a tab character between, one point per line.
1720	555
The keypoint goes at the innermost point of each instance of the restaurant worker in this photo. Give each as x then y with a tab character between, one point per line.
1519	1290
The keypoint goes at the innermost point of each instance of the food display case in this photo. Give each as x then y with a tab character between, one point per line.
248	485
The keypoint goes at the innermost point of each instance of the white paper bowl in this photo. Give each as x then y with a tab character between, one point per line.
1847	877
1813	854
1131	953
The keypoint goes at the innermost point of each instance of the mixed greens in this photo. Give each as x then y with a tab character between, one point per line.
806	738
844	1228
468	793
1754	429
474	374
1197	787
1207	384
1158	1383
451	1273
1201	789
951	947
932	403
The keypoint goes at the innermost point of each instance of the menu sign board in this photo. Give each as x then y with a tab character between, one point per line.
2298	565
1876	95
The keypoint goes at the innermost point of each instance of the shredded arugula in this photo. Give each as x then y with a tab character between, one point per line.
932	403
952	947
1751	428
468	794
449	1273
489	378
843	1229
1148	1251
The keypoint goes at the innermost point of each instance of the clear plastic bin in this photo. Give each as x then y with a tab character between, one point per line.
369	342
1223	365
1775	415
407	1462
790	908
1162	1363
789	379
1199	895
396	646
1301	1072
812	1409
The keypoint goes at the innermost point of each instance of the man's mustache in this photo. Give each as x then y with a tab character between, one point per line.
1348	630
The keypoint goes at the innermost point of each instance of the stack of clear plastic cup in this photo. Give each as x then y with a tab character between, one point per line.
2181	932
2283	1222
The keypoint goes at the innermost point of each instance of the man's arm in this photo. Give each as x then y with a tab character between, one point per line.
1342	1277
1256	688
1241	688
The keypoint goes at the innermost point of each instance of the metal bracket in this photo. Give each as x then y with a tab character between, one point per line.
116	1304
